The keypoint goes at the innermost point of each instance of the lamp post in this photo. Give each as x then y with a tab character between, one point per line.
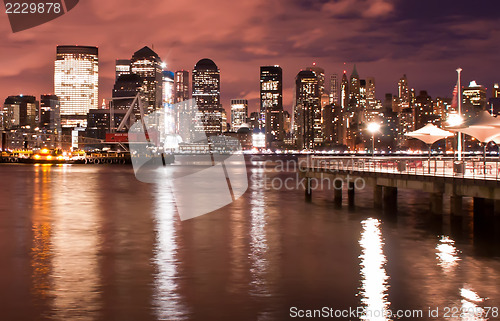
373	128
459	98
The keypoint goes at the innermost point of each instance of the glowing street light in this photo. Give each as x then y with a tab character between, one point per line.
373	128
455	120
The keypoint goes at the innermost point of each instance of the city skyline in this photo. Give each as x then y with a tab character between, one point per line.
426	47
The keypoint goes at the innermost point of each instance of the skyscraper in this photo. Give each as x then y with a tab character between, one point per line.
20	111
334	89
206	92
122	67
403	94
239	113
307	113
76	76
424	111
496	91
147	64
49	115
473	99
168	87
271	102
181	83
126	87
371	100
320	74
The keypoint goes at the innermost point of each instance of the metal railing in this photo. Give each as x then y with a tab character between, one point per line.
470	168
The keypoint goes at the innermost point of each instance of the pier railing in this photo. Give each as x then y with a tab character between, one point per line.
471	168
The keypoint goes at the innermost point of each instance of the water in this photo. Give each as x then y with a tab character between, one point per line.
85	242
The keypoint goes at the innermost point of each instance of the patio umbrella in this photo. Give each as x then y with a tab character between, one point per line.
483	127
429	134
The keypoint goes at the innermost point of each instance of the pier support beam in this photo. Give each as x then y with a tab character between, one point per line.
496	208
456	204
377	196
308	190
337	192
390	198
437	203
350	194
483	207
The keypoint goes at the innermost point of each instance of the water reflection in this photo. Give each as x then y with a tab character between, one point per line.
75	247
447	254
470	311
374	285
42	232
258	240
167	301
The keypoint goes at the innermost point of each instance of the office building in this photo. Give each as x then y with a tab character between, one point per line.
20	112
147	64
49	115
181	84
334	89
307	113
76	76
403	94
271	102
473	100
206	93
122	67
239	113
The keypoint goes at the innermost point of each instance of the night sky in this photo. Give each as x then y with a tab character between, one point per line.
426	39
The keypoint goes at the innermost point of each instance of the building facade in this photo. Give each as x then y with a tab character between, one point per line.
307	112
76	83
146	64
206	93
271	102
239	113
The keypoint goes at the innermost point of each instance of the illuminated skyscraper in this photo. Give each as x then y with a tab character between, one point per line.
424	111
206	92
239	113
147	64
271	102
126	87
49	115
20	112
334	89
344	92
371	100
76	78
473	99
181	83
168	87
122	67
320	74
307	113
496	91
403	94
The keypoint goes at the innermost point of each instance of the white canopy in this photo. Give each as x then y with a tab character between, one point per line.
483	127
429	134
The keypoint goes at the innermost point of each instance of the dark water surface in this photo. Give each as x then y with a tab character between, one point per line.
90	242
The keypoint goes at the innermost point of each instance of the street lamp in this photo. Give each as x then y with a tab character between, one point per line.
459	100
373	128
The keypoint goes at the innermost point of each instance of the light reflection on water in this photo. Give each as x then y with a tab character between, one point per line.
447	254
258	240
75	275
374	284
92	243
166	298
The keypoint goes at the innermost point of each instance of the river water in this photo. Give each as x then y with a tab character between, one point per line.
90	242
